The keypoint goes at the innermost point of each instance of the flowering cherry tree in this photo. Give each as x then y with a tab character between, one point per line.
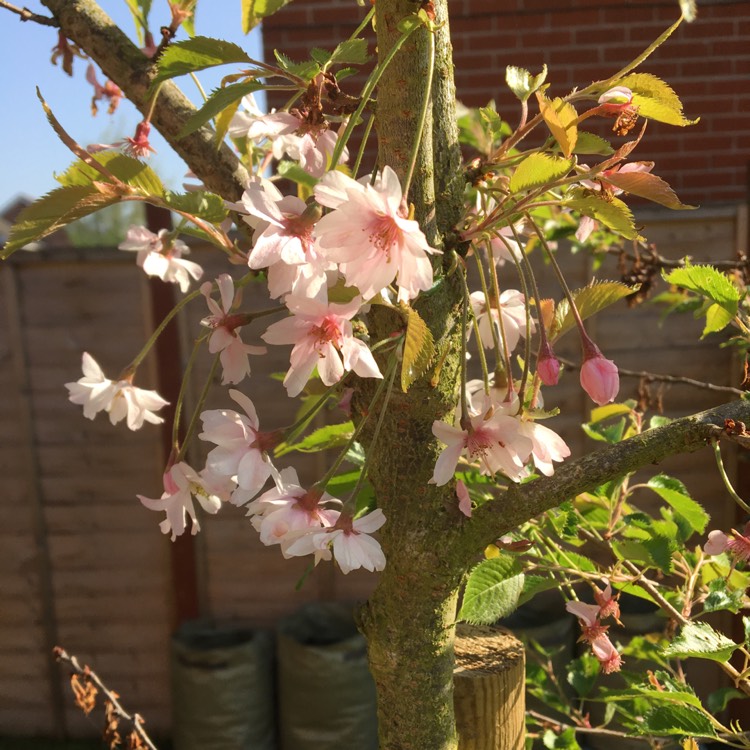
372	275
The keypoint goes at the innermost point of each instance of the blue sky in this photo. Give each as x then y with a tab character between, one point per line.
31	150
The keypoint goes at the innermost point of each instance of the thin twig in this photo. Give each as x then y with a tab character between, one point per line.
659	378
26	15
549	721
87	673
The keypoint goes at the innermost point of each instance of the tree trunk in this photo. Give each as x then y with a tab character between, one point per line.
410	620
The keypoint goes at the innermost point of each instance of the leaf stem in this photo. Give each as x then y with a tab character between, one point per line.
725	477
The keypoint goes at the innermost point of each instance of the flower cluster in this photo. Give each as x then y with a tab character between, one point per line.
593	632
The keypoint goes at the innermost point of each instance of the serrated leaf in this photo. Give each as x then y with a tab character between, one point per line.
522	83
306	70
648	186
655	99
132	172
721	597
419	348
589	300
561	119
674	492
537	170
606	433
321	56
682	721
54	211
608	411
254	11
660	550
700	640
350	52
218	100
204	205
582	674
492	590
707	281
321	439
198	53
588	143
612	212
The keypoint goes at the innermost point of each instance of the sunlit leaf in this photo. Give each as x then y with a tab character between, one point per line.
419	348
522	83
539	169
218	100
254	11
561	118
612	212
655	99
700	640
649	186
589	300
492	590
198	53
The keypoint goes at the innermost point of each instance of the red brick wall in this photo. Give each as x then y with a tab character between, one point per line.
707	63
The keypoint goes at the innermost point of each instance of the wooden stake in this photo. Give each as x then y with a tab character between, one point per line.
488	689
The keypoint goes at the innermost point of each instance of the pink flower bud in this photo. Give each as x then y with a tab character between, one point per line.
547	365
599	377
717	542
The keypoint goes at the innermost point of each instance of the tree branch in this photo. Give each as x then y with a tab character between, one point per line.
95	33
519	503
26	15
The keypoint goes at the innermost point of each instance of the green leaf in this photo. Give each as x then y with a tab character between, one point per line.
674	492
718	700
655	99
589	300
132	172
605	433
612	212
292	171
561	119
198	53
713	285
218	100
700	640
537	170
682	721
492	590
307	69
350	52
204	205
721	597
140	10
419	348
522	83
254	11
565	740
706	281
588	143
600	413
648	186
321	439
660	550
53	211
582	674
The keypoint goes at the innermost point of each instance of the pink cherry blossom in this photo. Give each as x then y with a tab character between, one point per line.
348	539
369	235
547	446
160	256
464	500
599	376
608	604
108	91
181	484
121	399
496	443
289	508
608	656
616	98
241	451
588	618
225	337
139	146
322	336
736	544
284	241
716	544
511	310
